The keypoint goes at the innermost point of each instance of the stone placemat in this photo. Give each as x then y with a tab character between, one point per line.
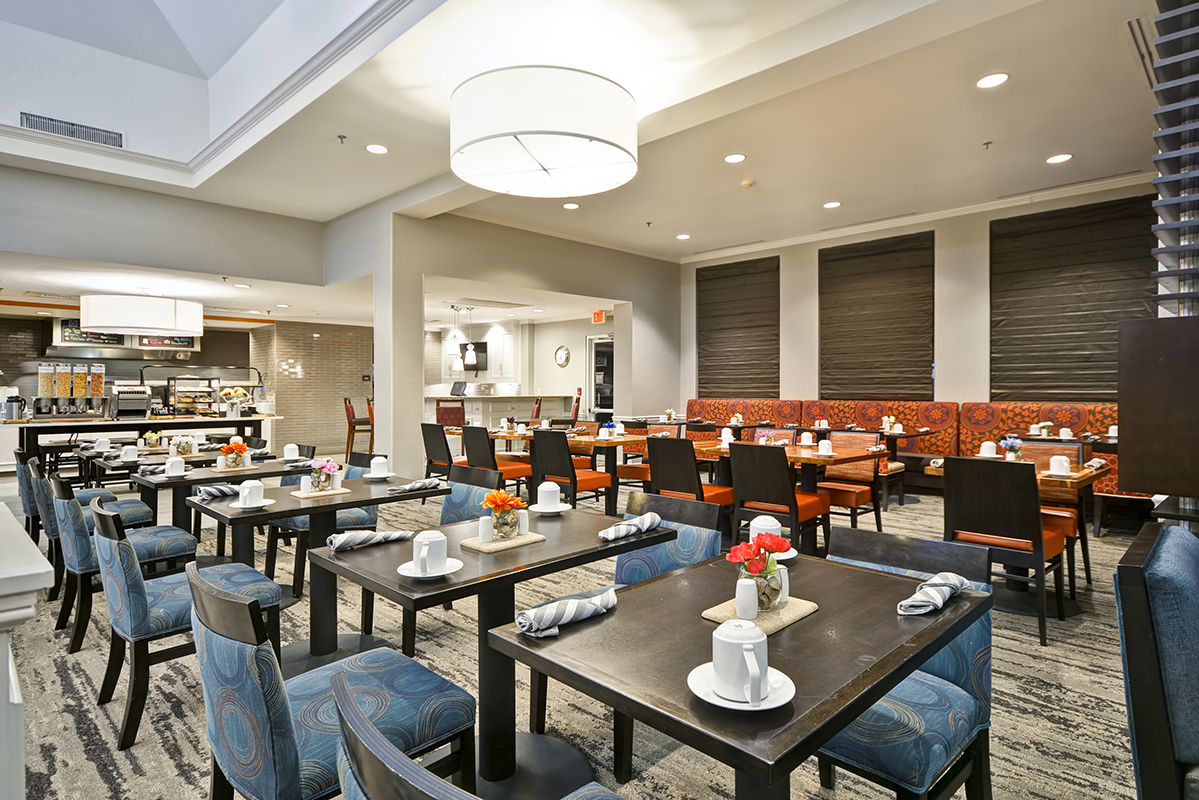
769	621
327	493
235	469
499	545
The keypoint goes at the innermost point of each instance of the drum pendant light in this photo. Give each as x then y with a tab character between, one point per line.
140	315
538	131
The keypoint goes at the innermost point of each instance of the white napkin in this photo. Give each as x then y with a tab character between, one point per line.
661	435
937	463
349	540
415	486
932	594
641	524
1095	463
923	430
544	620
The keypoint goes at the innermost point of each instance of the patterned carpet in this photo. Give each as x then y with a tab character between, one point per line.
1060	731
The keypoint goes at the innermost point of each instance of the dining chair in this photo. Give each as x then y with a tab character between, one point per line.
143	611
348	519
675	473
641	471
275	739
930	734
33	522
479	454
995	504
1076	500
554	463
638	452
39	486
254	442
574	409
698	540
536	412
764	483
358	459
774	436
704	432
583	455
437	450
857	484
356	425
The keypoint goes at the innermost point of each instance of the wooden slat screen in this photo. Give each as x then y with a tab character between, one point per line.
876	319
737	329
1061	281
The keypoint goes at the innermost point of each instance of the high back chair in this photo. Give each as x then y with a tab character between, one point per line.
675	473
28	506
357	459
774	436
536	413
641	472
905	741
480	454
764	483
995	504
554	462
574	409
287	724
254	442
39	487
356	425
858	484
1075	499
144	611
437	450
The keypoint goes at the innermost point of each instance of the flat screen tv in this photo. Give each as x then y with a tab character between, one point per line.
480	355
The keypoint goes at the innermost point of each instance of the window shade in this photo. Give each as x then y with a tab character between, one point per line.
1060	283
737	329
876	319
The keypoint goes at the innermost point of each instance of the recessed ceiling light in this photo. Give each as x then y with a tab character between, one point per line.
316	336
570	206
377	149
512	315
1060	158
734	158
241	286
683	236
833	204
252	311
991	81
45	313
282	305
538	310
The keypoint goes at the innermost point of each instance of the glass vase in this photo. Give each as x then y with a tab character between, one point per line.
772	588
505	523
232	460
322	481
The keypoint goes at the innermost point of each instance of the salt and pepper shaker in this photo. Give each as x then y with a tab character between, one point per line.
486	528
747	598
306	483
220	462
522	522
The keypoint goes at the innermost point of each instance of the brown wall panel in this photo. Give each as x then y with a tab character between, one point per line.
737	329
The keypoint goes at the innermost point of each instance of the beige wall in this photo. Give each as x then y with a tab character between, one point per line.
547	377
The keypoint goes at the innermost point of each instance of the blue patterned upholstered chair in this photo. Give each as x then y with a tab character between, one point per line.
154	545
143	611
365	518
276	739
372	768
698	540
28	506
463	503
1157	607
929	735
39	487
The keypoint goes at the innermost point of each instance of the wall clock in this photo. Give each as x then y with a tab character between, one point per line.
562	356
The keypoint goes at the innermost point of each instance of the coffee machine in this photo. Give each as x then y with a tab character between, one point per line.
14	407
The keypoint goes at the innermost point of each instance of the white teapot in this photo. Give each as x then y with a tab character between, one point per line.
739	662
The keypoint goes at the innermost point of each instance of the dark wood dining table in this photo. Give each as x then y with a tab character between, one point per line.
843	658
524	766
890	438
181	485
807	459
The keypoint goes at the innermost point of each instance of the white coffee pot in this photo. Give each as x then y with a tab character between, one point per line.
739	662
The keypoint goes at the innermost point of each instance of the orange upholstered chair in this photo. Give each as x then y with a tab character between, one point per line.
1072	499
479	453
764	483
554	463
853	485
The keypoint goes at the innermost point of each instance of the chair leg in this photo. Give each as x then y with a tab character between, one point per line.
297	583
853	518
59	568
1059	592
220	539
112	673
978	785
1040	579
827	527
349	441
219	787
878	518
828	772
622	747
464	748
139	689
272	552
368	612
902	487
1070	561
370	445
538	686
83	612
884	487
68	600
1100	507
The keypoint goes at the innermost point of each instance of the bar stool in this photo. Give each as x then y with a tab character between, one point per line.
356	425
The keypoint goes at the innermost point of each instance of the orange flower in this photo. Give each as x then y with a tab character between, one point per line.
235	447
500	500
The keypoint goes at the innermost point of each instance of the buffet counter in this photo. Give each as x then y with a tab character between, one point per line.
490	409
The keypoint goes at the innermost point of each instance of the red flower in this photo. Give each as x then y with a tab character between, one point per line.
772	543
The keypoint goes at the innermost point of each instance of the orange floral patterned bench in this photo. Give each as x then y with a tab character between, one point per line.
941	418
779	412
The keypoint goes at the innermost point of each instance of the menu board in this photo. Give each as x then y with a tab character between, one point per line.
71	333
167	342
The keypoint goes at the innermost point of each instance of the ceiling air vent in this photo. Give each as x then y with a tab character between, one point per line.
49	296
85	133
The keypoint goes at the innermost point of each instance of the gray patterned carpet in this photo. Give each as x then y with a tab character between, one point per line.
1059	733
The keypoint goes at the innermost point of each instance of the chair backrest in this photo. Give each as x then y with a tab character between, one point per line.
463	503
1040	452
993	497
121	574
674	509
306	450
372	767
775	435
28	504
254	442
245	699
78	553
363	459
370	410
674	468
552	454
1157	609
437	447
350	416
478	447
474	476
574	410
863	471
701	431
698	538
39	487
760	475
536	409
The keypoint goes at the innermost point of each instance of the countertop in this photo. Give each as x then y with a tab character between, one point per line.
128	420
494	396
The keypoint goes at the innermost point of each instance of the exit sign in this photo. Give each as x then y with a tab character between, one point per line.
597	317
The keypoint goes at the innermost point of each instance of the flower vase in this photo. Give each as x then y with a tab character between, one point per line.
232	460
322	481
770	588
505	523
183	448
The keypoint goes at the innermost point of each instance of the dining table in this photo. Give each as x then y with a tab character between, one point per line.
840	660
181	486
511	765
101	468
808	460
890	438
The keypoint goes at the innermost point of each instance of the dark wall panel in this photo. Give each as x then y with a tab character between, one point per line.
737	329
876	319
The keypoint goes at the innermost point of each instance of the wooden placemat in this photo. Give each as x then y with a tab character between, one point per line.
235	469
327	493
769	621
499	545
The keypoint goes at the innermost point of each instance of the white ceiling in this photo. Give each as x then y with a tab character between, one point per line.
442	292
180	35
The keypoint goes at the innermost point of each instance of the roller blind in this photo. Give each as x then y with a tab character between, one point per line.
1061	281
876	319
737	329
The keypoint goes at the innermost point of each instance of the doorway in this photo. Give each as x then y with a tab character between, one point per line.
601	377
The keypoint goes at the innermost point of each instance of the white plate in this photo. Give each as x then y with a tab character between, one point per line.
452	565
782	689
1060	474
265	502
292	460
822	455
550	512
381	477
787	556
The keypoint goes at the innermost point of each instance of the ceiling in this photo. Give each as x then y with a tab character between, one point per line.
442	292
180	35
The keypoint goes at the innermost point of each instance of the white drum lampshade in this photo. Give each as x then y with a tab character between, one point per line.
139	315
537	131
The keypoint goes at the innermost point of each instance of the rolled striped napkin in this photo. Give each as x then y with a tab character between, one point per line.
543	621
641	524
215	492
932	594
415	486
349	540
203	448
878	448
1095	463
159	469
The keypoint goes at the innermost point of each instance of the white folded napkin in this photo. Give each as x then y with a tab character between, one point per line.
660	435
878	448
305	464
1095	463
937	463
932	594
261	451
641	524
415	486
349	540
544	620
923	430
216	492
